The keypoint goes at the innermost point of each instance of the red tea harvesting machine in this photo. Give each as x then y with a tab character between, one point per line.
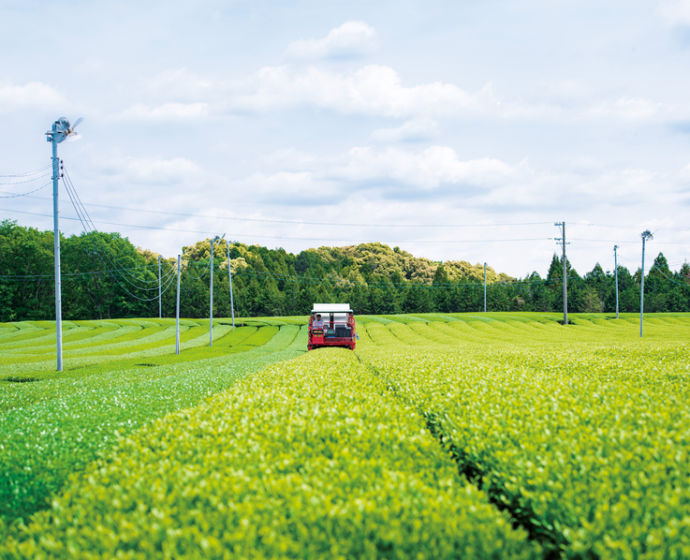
332	324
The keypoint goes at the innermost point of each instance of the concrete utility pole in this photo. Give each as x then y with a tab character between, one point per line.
177	310
232	306
646	234
210	314
210	326
565	272
615	264
56	251
160	293
60	130
484	287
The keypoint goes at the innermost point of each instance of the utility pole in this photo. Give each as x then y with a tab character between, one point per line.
60	130
56	250
646	234
210	326
565	272
484	287
615	264
232	306
210	315
160	294
177	310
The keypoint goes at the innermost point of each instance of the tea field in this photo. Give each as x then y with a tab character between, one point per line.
456	436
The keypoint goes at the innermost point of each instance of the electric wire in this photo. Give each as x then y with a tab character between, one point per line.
342	240
89	227
18	195
685	284
88	273
281	220
27	173
22	179
300	238
87	223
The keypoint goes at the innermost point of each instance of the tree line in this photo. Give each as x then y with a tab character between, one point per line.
105	276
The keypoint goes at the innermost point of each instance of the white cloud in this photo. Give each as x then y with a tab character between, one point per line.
626	108
685	173
426	169
167	111
379	90
676	12
31	94
372	89
436	170
143	170
179	84
350	38
288	159
411	130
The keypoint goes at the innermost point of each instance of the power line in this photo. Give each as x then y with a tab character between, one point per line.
627	226
87	223
88	273
295	238
11	180
89	227
280	220
669	278
609	241
347	281
17	195
27	173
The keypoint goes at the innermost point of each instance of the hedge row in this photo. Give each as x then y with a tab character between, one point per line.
308	458
589	444
54	427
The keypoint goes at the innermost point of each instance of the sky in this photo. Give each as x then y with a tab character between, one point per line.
455	130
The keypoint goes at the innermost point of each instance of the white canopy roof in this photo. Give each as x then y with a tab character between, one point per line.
331	308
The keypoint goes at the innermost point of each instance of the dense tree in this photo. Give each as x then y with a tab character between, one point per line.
104	275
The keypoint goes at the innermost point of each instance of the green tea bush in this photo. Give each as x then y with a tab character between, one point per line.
582	433
57	425
309	458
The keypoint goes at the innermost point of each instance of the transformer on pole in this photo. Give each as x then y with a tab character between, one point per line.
60	131
646	234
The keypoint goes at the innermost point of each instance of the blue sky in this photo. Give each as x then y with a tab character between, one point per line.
456	130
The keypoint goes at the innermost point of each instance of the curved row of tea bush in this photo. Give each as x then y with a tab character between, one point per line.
308	458
587	442
55	426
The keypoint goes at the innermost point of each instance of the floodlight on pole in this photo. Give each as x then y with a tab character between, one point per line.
60	131
646	234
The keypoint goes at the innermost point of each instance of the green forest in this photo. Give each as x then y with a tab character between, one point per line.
105	276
